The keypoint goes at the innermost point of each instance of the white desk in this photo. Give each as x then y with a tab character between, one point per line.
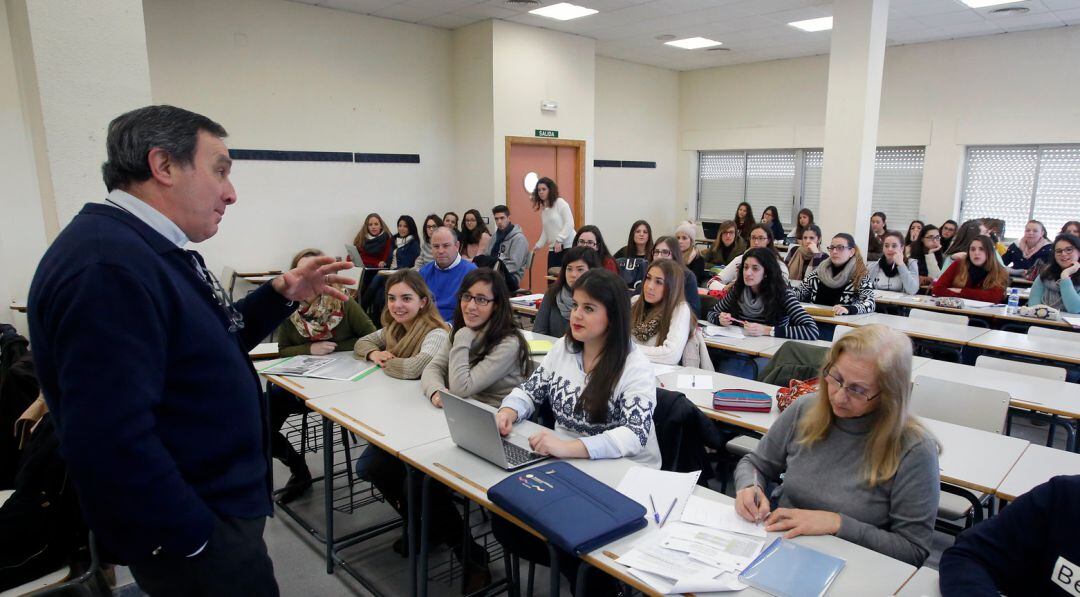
916	362
753	421
1033	393
310	388
1036	466
996	313
974	459
834	319
19	306
752	346
1051	349
923	329
924	583
266	350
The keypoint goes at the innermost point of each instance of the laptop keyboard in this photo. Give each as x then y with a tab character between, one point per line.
516	455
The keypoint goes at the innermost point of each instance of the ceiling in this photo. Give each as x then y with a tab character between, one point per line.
753	30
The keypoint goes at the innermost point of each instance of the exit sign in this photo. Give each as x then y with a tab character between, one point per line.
548	134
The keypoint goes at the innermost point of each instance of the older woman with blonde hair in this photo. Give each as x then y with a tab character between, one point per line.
855	461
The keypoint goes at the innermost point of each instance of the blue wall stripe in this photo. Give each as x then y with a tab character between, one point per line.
387	158
622	164
290	156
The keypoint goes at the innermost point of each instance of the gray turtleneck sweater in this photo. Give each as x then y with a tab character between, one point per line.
895	518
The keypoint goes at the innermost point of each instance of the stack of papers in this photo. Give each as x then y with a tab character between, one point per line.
527	299
341	366
719	331
695	382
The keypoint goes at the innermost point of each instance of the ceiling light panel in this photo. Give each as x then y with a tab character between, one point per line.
563	11
819	24
693	43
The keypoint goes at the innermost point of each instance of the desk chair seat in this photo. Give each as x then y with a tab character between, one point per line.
939	317
742	445
1071	336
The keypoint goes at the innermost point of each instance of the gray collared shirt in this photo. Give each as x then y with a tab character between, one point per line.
150	216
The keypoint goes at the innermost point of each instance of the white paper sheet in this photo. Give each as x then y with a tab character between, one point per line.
527	299
641	482
670	571
726	581
888	294
1073	321
719	331
659	370
716	548
695	382
339	366
707	513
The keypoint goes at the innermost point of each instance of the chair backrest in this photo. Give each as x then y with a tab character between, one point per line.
939	316
841	331
1038	330
960	403
682	433
794	360
1043	371
228	279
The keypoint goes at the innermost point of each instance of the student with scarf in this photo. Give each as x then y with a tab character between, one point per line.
1059	282
977	276
639	243
474	235
841	282
805	256
744	220
1033	250
727	246
914	233
804	220
413	331
660	319
877	230
374	242
760	238
553	317
406	250
892	271
761	302
948	233
771	218
318	327
691	258
928	255
667	247
431	224
589	236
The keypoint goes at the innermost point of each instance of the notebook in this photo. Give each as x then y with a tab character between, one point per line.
538	347
787	569
736	399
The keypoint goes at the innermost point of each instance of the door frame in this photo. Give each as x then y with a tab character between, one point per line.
578	207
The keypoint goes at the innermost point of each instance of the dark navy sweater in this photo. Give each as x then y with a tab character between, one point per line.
159	412
1021	550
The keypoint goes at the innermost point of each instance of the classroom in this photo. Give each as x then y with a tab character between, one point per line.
842	326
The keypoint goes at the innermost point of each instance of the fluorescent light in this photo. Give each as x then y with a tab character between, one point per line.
563	11
985	3
821	24
693	43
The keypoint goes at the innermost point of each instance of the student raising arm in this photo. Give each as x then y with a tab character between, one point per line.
854	459
660	319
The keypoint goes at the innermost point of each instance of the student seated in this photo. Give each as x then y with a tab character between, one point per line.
601	388
804	220
761	302
589	236
1071	227
445	273
976	276
744	220
964	235
553	316
948	233
474	235
413	332
877	230
928	255
892	271
319	327
508	251
691	258
855	461
805	256
487	355
431	223
1031	251
406	250
1029	548
639	244
914	233
450	220
373	242
760	238
660	319
1059	284
667	247
771	218
727	246
842	282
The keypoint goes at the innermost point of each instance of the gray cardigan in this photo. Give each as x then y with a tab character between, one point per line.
906	279
488	381
895	518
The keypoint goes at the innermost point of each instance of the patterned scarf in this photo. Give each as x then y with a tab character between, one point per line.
316	320
833	278
648	326
1029	252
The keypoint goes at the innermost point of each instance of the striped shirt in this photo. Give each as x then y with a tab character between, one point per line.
792	321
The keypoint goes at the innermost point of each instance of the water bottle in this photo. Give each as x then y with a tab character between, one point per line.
1014	301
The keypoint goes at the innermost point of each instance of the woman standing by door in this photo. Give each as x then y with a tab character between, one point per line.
557	219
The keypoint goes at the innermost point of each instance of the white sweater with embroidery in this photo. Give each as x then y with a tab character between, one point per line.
628	430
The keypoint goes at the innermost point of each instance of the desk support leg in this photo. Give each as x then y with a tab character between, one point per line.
328	489
553	555
579	582
410	524
425	521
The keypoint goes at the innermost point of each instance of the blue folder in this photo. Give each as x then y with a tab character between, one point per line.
572	510
787	569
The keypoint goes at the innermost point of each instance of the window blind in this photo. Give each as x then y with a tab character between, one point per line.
1057	191
897	183
999	182
721	183
761	178
770	180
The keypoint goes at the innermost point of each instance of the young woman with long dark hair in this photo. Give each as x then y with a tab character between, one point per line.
474	235
639	243
878	226
804	257
744	220
761	302
660	319
978	275
842	282
928	255
771	218
553	317
892	271
556	218
914	233
760	237
804	220
1059	284
589	236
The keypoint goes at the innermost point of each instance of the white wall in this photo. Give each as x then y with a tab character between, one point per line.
474	117
283	75
637	118
1011	88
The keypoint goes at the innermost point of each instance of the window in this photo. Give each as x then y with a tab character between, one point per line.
790	179
1018	183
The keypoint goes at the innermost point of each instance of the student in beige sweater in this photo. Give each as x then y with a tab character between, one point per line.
412	333
487	356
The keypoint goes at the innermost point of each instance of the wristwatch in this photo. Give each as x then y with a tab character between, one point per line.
772	332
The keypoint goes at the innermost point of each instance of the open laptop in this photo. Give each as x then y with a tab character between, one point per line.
473	427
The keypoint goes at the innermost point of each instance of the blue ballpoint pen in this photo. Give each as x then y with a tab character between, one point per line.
655	514
670	508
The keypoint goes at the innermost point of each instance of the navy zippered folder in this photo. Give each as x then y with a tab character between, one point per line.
572	510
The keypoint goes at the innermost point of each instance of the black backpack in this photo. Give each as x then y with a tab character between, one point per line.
18	389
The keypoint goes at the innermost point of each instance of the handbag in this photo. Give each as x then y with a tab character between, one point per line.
794	390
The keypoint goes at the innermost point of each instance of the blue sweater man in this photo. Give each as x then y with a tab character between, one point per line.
444	273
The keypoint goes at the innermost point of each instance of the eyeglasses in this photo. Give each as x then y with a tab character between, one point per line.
852	390
1065	251
481	301
759	238
661	253
832	248
430	227
587	243
932	237
728	233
